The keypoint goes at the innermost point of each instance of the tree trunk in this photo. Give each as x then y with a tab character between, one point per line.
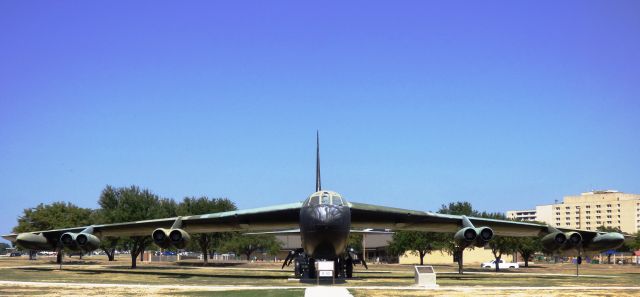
498	263
204	246
134	257
205	256
421	253
59	257
526	262
460	262
609	258
141	254
111	254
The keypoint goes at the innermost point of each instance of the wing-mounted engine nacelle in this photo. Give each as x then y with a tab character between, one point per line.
484	235
179	238
465	236
80	241
68	241
166	238
574	239
553	241
605	241
88	242
161	238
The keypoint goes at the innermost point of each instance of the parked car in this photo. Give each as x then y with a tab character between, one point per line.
15	254
502	265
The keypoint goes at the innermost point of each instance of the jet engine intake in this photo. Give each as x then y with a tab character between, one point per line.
553	241
484	235
465	236
161	238
87	242
68	241
179	238
574	239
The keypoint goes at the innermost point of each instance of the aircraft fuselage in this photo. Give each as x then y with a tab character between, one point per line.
324	227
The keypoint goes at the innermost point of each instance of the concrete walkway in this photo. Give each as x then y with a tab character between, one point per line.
327	291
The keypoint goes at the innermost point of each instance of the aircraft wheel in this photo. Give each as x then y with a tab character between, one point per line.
349	268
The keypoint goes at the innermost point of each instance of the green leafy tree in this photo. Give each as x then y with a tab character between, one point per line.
3	248
527	247
501	245
355	242
53	216
416	242
248	244
129	204
206	242
448	244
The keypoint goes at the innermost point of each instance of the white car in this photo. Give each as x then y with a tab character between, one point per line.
502	265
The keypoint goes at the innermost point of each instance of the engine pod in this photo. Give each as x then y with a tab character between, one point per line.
465	236
87	242
161	238
179	238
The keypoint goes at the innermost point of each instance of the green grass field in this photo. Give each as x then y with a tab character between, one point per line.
266	275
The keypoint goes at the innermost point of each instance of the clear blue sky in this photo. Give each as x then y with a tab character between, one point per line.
503	104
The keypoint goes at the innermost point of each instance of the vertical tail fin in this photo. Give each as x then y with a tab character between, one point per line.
318	183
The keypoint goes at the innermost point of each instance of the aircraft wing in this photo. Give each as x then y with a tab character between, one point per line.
382	217
278	217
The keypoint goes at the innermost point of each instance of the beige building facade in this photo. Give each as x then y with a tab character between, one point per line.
588	211
473	256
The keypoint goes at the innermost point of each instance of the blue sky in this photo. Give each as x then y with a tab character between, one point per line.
506	105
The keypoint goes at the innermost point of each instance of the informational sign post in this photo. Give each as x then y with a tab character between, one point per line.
425	276
325	269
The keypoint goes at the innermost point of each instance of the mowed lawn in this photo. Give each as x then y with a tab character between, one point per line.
239	275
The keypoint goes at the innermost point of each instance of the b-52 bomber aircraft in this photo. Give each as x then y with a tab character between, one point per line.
324	221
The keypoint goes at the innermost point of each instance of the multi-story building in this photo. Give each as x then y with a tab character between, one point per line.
588	211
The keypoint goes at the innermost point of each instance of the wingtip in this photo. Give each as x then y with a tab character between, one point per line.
10	237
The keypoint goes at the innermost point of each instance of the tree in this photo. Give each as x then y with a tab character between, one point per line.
56	215
416	242
248	244
3	248
527	247
206	242
448	244
128	204
354	241
502	245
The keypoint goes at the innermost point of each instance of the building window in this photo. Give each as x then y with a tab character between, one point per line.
557	213
609	210
557	219
609	222
568	212
608	205
588	206
557	224
577	212
599	223
597	217
567	218
588	223
567	207
597	211
608	217
598	206
588	228
588	211
588	217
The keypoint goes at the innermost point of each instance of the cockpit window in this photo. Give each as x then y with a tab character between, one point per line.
313	201
326	199
336	200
